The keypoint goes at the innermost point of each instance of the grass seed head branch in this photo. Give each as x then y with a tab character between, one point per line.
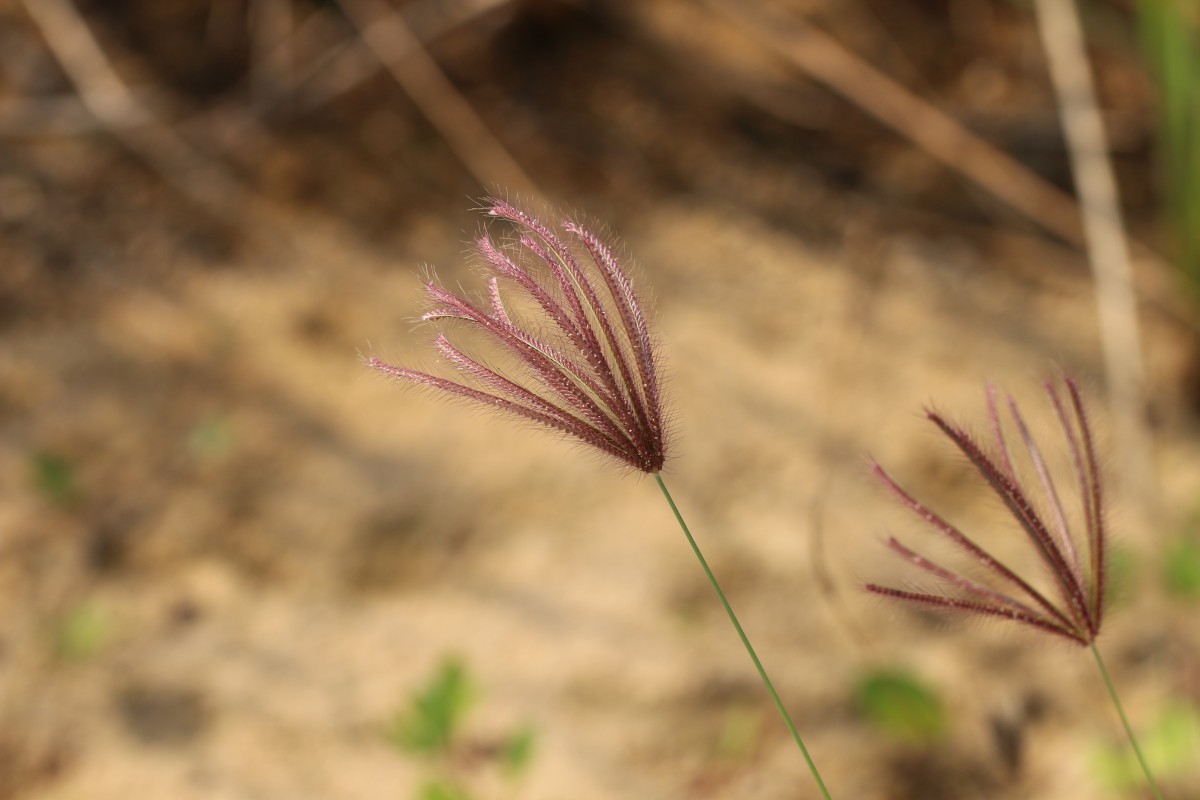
1078	613
578	373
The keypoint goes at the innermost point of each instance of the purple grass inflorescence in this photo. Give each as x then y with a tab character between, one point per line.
588	364
1080	588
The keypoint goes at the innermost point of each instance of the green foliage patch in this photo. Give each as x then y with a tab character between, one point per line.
901	706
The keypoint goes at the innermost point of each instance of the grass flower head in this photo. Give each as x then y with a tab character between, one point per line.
586	360
1076	606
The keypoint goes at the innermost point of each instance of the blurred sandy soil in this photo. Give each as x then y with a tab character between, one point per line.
229	555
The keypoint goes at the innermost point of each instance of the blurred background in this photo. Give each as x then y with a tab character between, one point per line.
234	564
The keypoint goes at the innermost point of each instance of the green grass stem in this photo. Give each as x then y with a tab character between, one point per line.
762	672
1112	691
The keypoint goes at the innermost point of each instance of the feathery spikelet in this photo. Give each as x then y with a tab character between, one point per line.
1077	611
590	370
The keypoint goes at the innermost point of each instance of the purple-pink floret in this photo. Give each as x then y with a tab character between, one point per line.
1080	590
587	361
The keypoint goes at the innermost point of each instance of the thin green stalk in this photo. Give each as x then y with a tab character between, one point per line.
812	767
1125	721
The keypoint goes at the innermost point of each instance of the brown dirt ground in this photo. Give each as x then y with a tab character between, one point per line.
268	549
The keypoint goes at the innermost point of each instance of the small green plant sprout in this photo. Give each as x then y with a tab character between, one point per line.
211	438
81	633
899	705
435	713
431	729
740	734
54	477
517	753
442	789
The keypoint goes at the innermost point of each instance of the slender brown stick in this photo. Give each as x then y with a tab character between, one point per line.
1104	230
934	131
107	97
942	137
393	42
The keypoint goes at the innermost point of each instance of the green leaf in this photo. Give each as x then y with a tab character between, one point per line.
435	712
81	633
212	438
518	752
443	790
1181	569
739	734
55	477
901	706
1171	47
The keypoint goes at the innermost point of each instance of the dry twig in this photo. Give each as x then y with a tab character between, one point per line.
393	42
273	60
938	134
332	72
840	70
106	96
1107	245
